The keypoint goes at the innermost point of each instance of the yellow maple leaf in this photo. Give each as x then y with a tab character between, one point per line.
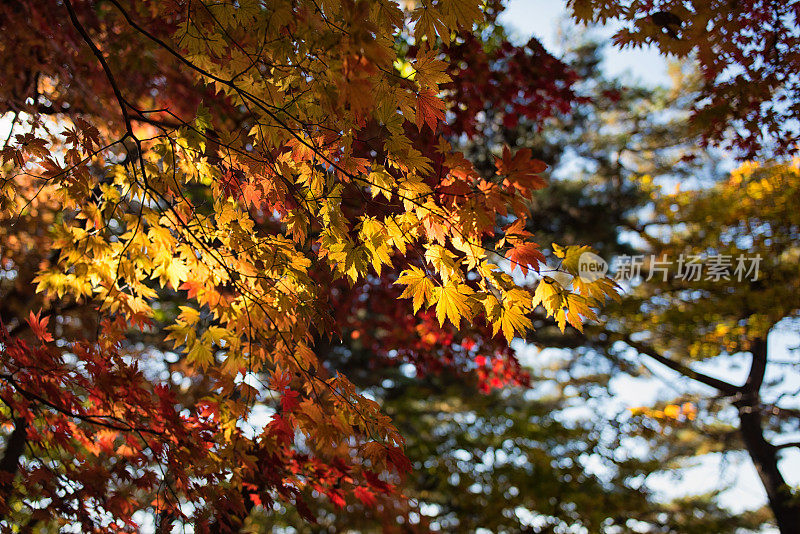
200	355
442	260
428	23
419	286
452	302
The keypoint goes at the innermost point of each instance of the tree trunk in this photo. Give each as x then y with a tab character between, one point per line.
763	454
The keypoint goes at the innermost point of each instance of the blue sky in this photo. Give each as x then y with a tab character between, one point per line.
542	18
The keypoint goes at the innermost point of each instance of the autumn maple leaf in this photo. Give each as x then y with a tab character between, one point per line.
430	109
39	326
525	256
398	459
365	496
521	170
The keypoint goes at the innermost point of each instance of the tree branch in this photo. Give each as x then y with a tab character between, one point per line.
138	116
758	366
724	387
99	55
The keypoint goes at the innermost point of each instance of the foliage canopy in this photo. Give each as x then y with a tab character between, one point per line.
202	203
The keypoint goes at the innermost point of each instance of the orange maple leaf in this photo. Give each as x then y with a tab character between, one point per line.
521	170
430	109
524	256
39	326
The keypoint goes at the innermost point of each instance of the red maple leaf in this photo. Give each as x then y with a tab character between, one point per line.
398	459
289	400
336	498
365	496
